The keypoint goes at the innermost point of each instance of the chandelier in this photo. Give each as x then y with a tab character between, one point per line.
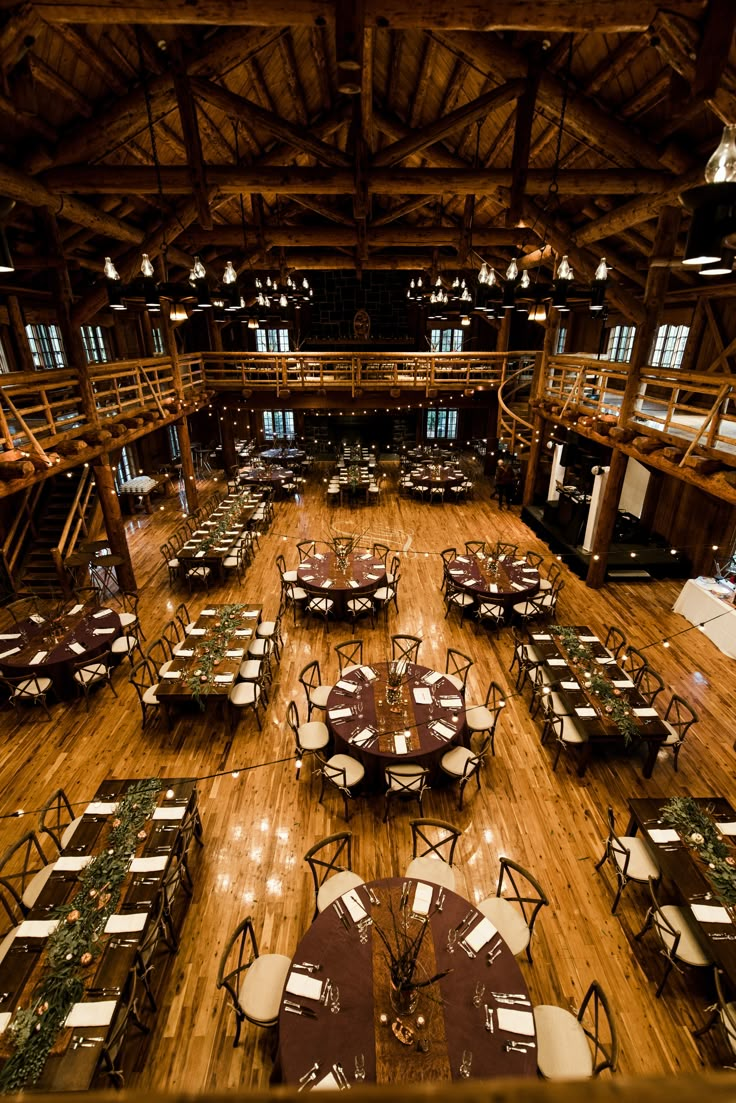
711	240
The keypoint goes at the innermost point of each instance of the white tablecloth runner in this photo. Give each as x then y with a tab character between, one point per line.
697	604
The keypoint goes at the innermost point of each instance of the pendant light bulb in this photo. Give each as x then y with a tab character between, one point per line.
283	301
438	282
146	266
513	270
199	272
524	279
492	280
229	275
721	167
252	323
564	271
110	270
483	274
601	272
305	284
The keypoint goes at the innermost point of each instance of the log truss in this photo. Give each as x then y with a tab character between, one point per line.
444	118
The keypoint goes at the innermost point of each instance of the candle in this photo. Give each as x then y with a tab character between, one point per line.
383	1019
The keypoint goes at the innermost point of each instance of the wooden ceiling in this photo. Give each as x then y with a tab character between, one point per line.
444	155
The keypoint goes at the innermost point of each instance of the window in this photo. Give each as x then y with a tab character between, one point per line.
46	346
95	344
446	340
158	341
124	471
4	366
669	346
173	442
561	340
278	424
620	342
272	340
441	424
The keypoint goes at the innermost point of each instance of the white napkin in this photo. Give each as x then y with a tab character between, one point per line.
172	674
199	555
207	613
224	678
502	559
400	744
422	899
95	1013
422	696
605	660
76	648
353	584
5	1017
101	808
319	555
103	631
353	904
346	687
75	609
518	586
243	631
196	631
462	559
623	683
72	863
298	984
541	636
451	702
480	935
570	685
149	865
646	712
362	737
340	714
374	577
726	828
235	654
250	613
710	913
435	676
514	1021
328	1083
368	673
124	924
458	571
37	928
442	729
493	588
556	662
10	636
102	613
585	712
13	651
308	578
663	835
589	639
169	812
40	620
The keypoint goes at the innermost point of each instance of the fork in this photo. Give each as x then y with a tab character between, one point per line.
489	1018
307	1081
309	1072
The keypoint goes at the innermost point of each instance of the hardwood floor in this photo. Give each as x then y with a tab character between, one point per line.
259	825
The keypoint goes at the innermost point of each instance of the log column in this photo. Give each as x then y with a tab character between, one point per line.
533	463
20	338
182	425
114	523
606	520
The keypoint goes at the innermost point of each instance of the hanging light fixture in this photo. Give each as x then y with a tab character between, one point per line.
114	286
598	287
150	289
713	206
563	280
178	313
198	278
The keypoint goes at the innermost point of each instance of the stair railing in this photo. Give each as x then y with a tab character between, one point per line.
74	526
15	542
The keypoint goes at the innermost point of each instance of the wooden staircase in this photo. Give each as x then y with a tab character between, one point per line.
61	515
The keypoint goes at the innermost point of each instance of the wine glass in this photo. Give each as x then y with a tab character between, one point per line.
360	1066
451	940
480	991
466	1063
334	999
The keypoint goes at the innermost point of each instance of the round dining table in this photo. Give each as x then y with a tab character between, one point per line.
264	476
501	579
428	720
363	574
50	647
437	476
287	455
476	1017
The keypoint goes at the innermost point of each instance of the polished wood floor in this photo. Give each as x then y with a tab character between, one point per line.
259	825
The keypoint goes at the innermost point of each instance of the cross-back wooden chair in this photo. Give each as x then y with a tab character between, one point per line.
57	819
517	892
24	870
349	655
253	981
331	864
433	851
405	647
405	781
679	718
457	668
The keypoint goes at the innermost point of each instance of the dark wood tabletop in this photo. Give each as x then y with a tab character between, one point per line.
363	575
200	548
437	475
81	632
500	579
566	678
72	1063
453	1024
182	683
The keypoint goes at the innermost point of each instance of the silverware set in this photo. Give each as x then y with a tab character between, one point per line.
308	1078
404	895
512	999
372	896
307	966
489	1017
340	913
299	1009
440	899
518	1047
86	1042
494	951
339	1073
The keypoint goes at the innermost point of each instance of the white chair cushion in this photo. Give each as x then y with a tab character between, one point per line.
198	572
91	673
266	628
336	886
491	609
250	670
397	779
479	718
123	644
7	942
525	609
66	835
689	949
462	599
563	1052
642	863
164	667
384	593
318	695
296	593
432	869
354	770
455	761
149	697
320	604
313	735
508	921
359	604
172	564
571	733
230	562
456	681
545	584
289	576
244	693
263	986
259	648
673	735
32	685
36	886
126	619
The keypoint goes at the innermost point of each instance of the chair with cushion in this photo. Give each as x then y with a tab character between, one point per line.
89	673
143	679
28	689
181	613
484	717
723	1013
349	655
564	730
271	630
554	573
286	576
448	555
475	547
129	615
171	561
405	781
127	647
112	1049
564	1040
57	820
384	595
631	858
530	609
463	763
514	912
633	662
341	772
306	548
331	864
615	641
309	737
380	551
321	606
457	667
254	982
458	599
508	551
24	871
235	561
11	917
649	684
196	574
293	595
433	851
678	720
678	936
393	571
360	607
534	559
405	647
491	612
547	601
317	693
161	655
249	695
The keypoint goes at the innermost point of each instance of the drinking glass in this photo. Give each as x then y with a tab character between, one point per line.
466	1063
480	991
334	999
360	1067
451	940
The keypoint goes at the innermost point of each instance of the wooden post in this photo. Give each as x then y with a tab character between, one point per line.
665	240
114	523
182	426
533	462
145	331
606	520
227	436
20	338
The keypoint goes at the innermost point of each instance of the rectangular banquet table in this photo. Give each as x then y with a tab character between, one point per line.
75	1056
698	603
210	545
600	729
688	876
183	685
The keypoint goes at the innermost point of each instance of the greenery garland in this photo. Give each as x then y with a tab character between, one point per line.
572	643
231	516
612	703
698	830
76	943
212	651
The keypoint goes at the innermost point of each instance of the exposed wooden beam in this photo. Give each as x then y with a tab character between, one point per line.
240	108
440	128
426	74
522	142
290	72
678	43
18	34
320	209
192	141
366	89
715	44
90	54
401	210
635	211
44	75
378	237
319	56
599	16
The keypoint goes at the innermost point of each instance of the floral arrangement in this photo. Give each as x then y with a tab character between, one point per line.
572	643
697	828
354	476
612	703
212	651
76	943
402	949
215	535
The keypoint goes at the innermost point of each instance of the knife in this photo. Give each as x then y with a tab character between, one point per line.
291	1005
466	920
